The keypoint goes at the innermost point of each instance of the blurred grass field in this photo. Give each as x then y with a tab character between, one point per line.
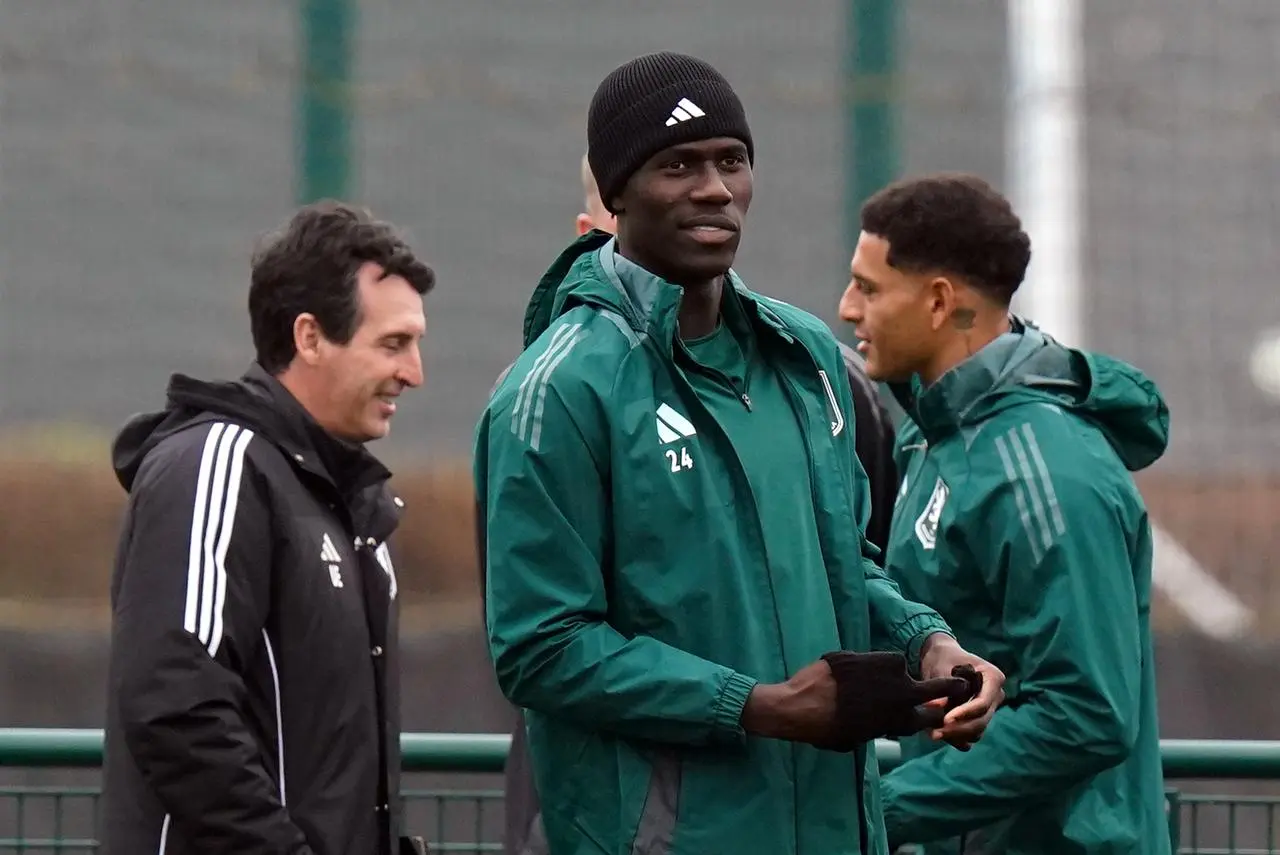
61	506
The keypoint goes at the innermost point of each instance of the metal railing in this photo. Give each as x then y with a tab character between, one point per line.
45	816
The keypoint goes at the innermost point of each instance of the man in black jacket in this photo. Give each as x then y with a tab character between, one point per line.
873	439
253	698
873	444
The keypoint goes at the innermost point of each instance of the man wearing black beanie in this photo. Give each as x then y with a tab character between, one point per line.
665	479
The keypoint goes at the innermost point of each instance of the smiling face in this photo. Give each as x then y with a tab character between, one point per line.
680	214
357	383
937	263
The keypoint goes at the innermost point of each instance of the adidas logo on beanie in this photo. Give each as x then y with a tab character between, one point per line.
654	102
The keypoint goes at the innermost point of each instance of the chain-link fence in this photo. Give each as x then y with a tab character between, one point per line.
143	145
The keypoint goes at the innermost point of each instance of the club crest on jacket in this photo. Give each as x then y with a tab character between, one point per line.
927	522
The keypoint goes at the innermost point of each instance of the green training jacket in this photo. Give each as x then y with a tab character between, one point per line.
629	609
1019	521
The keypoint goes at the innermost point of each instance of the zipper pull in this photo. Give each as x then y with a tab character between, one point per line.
746	399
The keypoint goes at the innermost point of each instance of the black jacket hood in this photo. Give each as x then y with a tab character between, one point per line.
260	403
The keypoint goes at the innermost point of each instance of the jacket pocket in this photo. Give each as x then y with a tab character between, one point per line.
660	812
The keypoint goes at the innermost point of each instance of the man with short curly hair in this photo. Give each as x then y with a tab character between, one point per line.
1019	521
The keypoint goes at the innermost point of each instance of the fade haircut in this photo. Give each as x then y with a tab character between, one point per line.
952	223
309	265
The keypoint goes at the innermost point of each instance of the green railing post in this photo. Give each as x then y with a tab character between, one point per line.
1173	803
50	747
325	100
870	102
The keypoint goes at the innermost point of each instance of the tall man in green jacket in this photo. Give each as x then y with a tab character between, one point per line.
666	481
1019	521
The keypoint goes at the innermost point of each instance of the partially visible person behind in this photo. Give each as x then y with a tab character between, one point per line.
596	216
678	588
1020	522
253	701
873	440
873	444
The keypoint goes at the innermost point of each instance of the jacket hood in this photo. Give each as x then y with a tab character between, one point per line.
549	298
259	402
1027	365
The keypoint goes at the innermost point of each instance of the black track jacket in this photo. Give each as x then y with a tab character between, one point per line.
873	443
253	698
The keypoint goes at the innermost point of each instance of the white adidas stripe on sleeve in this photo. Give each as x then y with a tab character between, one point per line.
216	497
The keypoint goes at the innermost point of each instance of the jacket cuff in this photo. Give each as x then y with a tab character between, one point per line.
911	634
730	703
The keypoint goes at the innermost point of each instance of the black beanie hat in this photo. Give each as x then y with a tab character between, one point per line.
653	102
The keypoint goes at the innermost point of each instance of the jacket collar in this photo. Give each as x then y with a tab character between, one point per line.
946	404
652	304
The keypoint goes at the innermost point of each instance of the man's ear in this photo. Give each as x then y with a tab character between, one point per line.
942	300
583	224
307	337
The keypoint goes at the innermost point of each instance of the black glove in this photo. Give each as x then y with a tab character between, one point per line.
973	686
931	717
876	697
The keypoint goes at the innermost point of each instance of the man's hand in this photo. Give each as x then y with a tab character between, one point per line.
965	724
845	700
800	710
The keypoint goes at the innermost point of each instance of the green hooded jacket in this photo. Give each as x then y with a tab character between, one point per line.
1019	521
629	608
